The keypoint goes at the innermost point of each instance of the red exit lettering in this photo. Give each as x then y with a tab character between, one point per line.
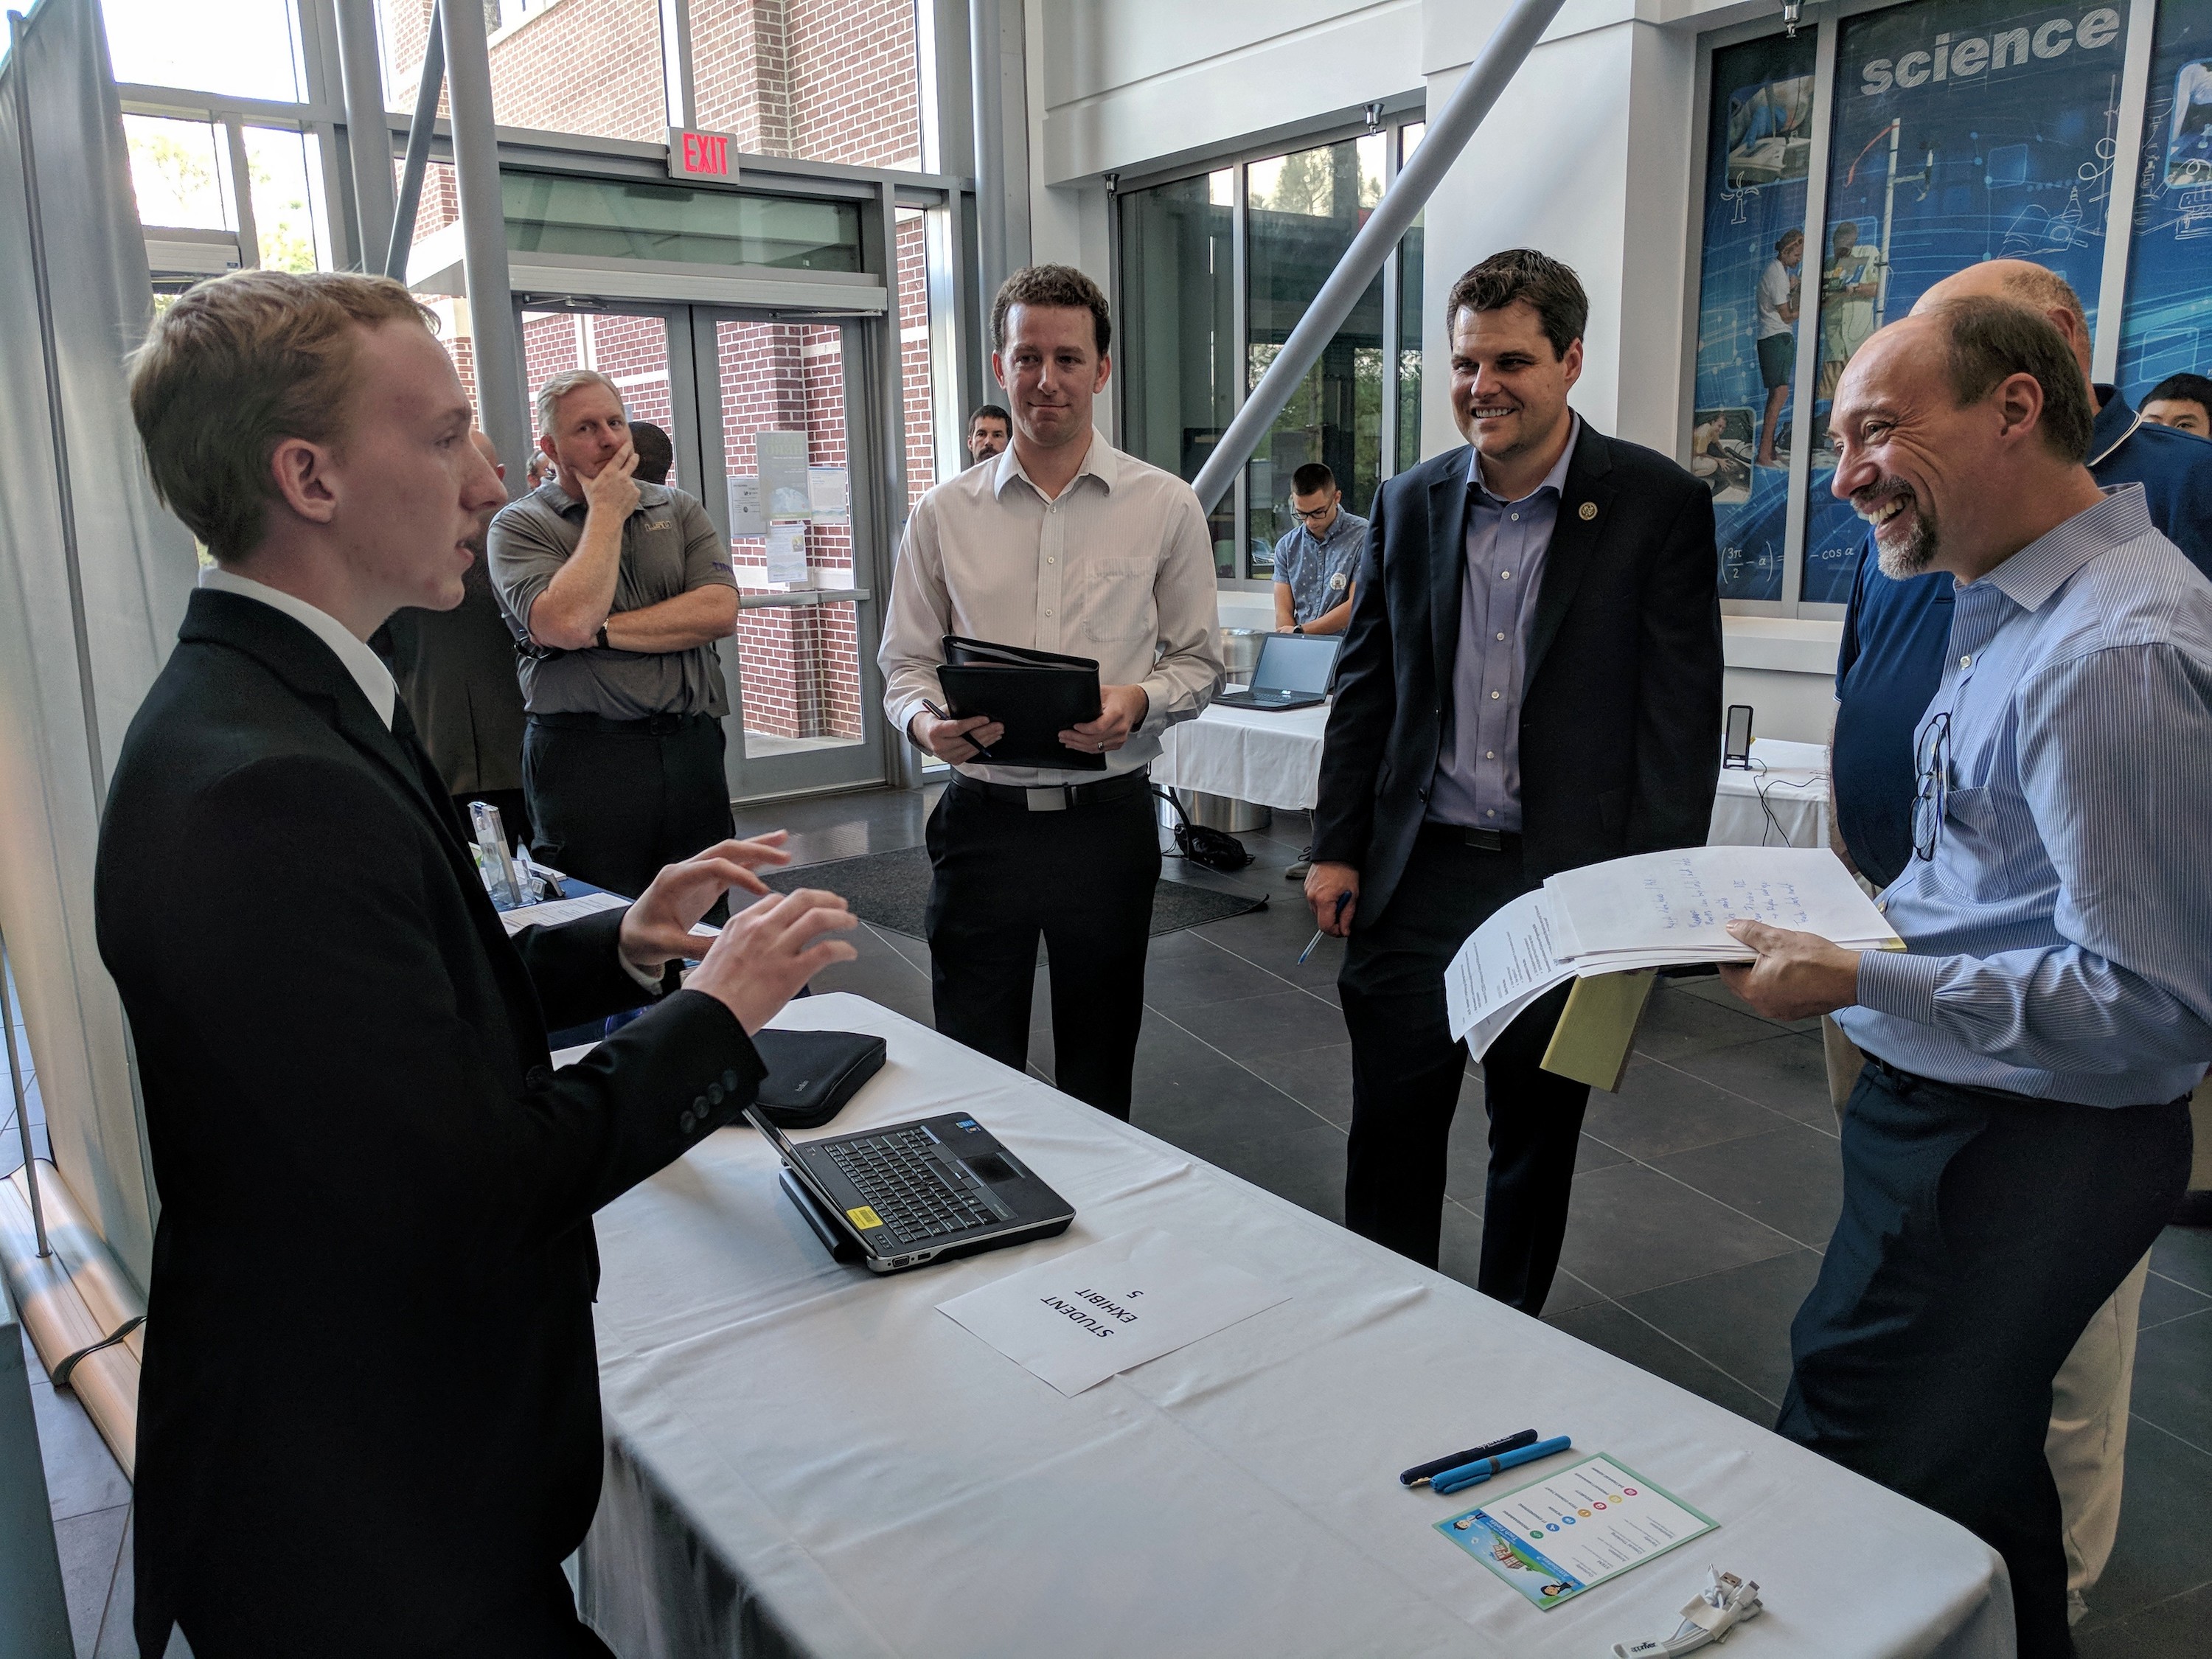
696	154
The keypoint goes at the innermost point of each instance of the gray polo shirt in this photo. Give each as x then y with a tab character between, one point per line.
669	547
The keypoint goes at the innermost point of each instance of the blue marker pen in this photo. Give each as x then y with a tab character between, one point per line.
1473	1474
1342	899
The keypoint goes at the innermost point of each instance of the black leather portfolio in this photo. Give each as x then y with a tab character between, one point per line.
812	1074
1036	695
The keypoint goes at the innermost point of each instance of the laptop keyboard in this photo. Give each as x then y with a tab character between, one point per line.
904	1185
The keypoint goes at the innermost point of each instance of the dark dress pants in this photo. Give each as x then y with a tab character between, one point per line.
534	1619
1082	877
1407	1071
1979	1233
612	806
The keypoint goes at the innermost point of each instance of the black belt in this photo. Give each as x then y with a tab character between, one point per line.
1055	796
652	726
1483	840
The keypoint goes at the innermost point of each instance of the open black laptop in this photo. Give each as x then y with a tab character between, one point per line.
911	1193
1293	672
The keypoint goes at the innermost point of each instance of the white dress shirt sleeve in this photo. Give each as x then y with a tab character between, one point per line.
920	618
1188	671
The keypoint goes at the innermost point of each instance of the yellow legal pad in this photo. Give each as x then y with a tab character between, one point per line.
1596	1031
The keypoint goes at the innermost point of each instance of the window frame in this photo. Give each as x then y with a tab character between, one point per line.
1397	114
2139	24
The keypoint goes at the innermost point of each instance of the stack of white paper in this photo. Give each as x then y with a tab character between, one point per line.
1655	910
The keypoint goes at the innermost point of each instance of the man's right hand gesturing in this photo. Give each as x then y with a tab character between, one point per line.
769	949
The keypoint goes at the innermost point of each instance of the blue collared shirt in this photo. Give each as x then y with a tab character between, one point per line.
1320	570
1478	780
2061	937
1892	657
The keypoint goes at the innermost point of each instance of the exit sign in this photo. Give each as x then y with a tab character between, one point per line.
701	156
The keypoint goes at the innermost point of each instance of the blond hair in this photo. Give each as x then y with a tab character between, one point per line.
237	365
568	380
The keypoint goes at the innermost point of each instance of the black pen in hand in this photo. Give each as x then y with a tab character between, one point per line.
981	753
1342	899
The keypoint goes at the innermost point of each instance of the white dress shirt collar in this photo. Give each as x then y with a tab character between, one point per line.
367	668
1101	461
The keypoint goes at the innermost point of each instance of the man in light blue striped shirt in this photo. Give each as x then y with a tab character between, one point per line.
2031	1055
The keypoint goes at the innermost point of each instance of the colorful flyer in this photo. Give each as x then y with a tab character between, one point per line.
1554	1538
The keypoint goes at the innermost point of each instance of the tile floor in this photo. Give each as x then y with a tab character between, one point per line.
1706	1190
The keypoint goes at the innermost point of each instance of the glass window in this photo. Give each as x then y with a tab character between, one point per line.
1964	131
1177	341
1758	153
827	80
549	214
1409	320
180	173
1303	210
240	48
2170	258
286	172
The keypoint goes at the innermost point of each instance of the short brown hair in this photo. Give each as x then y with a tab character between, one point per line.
1521	273
1991	340
1052	285
237	365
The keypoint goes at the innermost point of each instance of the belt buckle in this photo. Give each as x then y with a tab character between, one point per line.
1486	841
1053	799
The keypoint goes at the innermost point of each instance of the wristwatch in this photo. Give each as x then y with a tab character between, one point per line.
601	641
1297	628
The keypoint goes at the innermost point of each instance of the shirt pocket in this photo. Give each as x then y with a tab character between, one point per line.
1117	601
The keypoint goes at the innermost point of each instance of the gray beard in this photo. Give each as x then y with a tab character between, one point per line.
1899	564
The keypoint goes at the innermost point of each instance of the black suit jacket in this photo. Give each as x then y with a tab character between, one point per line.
368	1419
1620	706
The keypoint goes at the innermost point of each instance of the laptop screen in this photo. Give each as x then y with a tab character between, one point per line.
1295	662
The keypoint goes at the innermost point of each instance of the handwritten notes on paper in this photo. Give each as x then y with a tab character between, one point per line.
1080	1318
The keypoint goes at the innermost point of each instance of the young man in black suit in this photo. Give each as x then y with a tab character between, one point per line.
370	1418
1531	682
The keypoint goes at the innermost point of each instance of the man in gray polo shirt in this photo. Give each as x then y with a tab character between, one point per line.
617	592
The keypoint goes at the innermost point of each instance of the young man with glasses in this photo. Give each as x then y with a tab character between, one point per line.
2021	1131
1317	559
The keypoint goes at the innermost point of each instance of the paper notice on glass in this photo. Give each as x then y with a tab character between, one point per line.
829	492
1505	965
1662	907
746	518
787	551
781	458
1082	1317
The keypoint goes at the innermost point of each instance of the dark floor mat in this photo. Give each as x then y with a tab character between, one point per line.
892	889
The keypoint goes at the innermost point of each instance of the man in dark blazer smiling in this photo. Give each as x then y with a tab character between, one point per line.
369	1417
1531	682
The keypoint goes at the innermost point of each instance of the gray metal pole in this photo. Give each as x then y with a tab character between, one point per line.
368	137
16	1076
420	128
1448	134
990	154
483	230
19	58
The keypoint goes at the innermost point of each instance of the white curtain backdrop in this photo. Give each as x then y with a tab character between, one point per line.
77	652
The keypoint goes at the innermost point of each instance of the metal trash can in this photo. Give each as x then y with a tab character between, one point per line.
1240	652
1216	813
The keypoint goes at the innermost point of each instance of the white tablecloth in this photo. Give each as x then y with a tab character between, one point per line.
804	1459
1274	760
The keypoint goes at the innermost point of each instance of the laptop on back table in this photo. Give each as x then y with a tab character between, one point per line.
1294	672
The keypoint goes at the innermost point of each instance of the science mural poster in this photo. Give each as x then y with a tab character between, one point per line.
2170	252
1964	131
1758	155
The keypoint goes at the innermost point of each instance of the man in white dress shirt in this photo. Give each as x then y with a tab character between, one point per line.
1062	544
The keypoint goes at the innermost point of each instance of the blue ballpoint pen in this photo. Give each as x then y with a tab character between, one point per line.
1473	1474
1342	899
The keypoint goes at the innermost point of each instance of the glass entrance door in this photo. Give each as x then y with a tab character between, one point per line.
767	420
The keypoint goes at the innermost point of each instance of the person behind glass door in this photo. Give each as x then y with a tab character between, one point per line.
2183	402
1776	301
1531	683
1317	559
619	590
1061	544
656	455
990	430
456	673
2029	1059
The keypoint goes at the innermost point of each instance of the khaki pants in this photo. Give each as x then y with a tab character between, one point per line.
2089	1440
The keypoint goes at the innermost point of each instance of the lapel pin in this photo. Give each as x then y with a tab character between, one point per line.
1589	511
